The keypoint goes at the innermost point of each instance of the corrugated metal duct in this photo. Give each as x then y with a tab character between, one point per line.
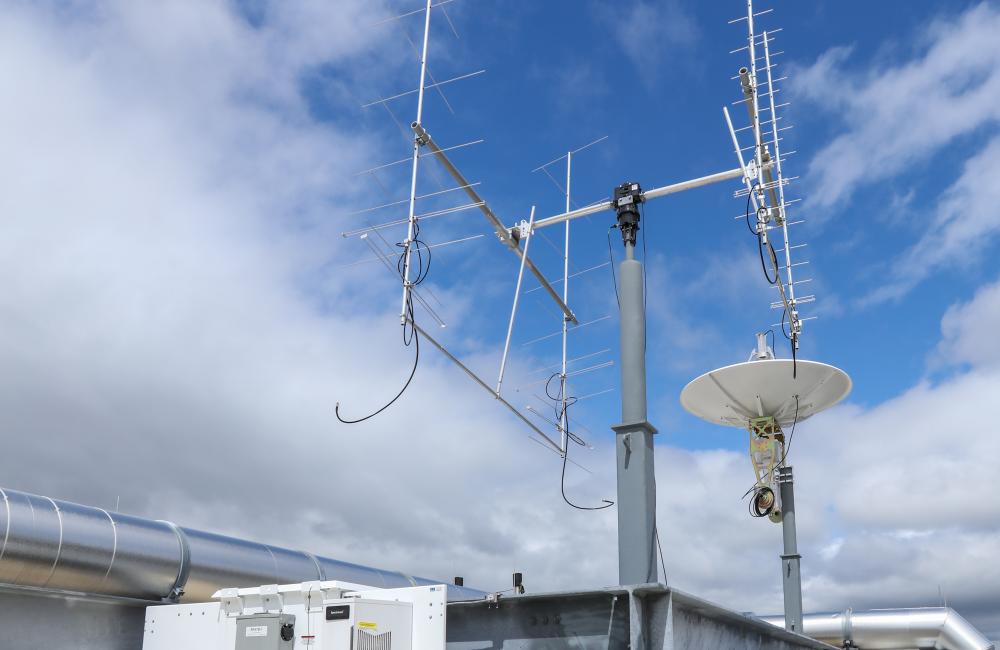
940	628
62	546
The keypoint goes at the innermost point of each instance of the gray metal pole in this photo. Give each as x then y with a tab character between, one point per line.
634	436
791	579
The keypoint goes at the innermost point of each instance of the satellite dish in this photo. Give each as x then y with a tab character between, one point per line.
734	394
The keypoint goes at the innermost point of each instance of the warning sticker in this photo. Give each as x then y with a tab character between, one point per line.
367	625
256	630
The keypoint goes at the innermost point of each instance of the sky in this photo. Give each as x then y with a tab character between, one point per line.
180	312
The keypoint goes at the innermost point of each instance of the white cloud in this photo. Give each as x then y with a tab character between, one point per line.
966	221
969	330
901	115
651	33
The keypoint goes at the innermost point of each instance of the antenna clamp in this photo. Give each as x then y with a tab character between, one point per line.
421	136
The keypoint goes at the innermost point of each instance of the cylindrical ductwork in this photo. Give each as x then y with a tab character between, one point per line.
941	628
62	546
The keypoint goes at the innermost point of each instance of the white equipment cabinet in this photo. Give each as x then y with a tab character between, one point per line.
312	615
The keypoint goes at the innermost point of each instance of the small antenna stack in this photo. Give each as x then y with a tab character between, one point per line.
763	180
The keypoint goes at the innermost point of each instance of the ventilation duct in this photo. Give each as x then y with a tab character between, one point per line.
62	546
940	628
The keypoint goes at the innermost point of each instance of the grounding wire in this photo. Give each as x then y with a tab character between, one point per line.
560	412
611	256
562	486
656	534
791	434
777	278
410	334
645	263
749	227
760	240
793	339
663	565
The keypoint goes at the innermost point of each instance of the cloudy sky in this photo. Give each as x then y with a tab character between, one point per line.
180	312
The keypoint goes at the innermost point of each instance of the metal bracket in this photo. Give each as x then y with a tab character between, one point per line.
629	427
420	135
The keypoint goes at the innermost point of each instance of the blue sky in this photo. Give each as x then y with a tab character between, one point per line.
181	312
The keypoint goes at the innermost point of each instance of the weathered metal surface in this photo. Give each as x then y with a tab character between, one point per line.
35	619
648	617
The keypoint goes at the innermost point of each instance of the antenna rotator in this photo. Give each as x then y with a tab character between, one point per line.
627	198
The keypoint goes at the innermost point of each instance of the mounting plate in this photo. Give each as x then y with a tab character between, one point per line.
734	394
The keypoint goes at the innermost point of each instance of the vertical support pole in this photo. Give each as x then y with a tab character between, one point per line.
564	420
634	436
412	219
791	579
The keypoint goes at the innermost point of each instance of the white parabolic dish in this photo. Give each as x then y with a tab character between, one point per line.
733	394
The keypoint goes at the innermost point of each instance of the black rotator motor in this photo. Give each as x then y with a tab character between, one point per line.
627	198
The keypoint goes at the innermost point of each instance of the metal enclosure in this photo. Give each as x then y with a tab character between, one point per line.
321	615
265	632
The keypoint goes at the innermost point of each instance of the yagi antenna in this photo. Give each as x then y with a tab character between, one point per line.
410	245
763	179
413	259
562	422
567	193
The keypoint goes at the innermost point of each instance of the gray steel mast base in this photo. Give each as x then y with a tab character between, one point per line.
791	579
638	617
634	436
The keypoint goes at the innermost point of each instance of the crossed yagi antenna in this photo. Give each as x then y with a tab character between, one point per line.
767	208
411	257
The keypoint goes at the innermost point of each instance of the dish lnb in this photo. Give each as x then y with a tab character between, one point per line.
763	350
